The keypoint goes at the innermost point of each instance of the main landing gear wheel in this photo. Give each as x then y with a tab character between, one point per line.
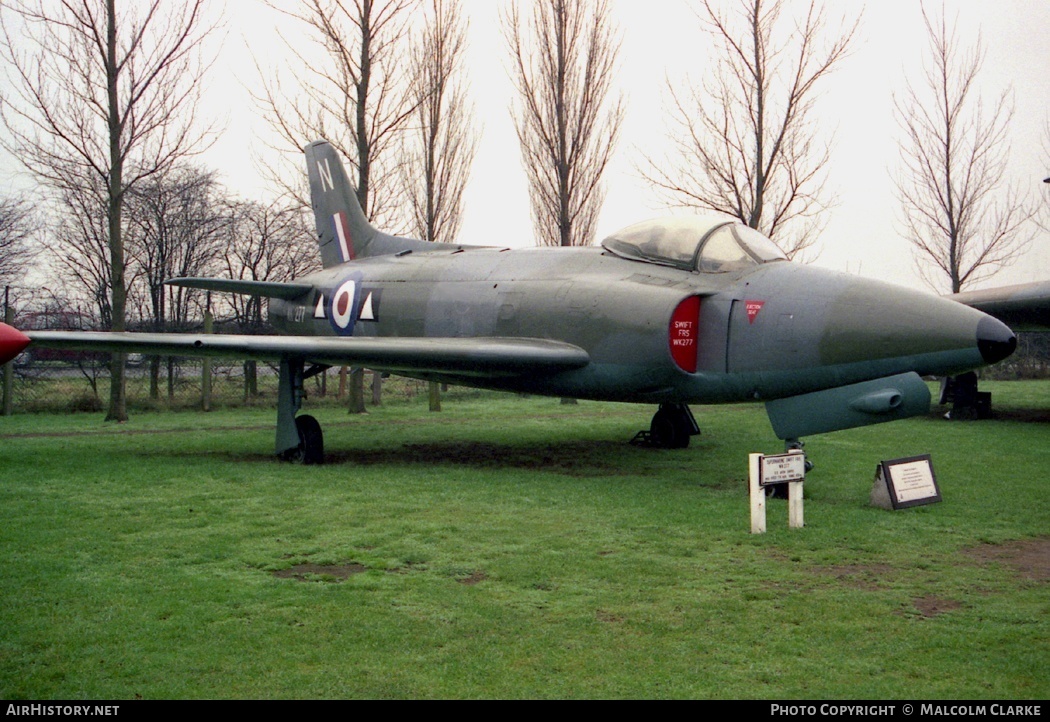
666	432
671	427
311	442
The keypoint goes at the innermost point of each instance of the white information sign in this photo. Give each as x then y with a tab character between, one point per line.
787	469
782	469
902	483
913	480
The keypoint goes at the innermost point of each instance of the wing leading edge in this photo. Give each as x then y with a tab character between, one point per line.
1025	307
462	356
267	289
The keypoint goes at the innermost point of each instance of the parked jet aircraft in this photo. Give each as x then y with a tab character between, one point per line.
668	312
1025	307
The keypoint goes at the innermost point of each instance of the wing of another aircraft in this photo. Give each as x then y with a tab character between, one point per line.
1025	307
460	356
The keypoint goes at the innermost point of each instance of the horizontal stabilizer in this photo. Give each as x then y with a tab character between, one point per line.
266	289
845	407
462	356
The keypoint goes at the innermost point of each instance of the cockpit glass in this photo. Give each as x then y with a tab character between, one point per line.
675	242
671	241
763	249
722	253
734	247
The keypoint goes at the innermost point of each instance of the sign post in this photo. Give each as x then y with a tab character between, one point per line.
790	469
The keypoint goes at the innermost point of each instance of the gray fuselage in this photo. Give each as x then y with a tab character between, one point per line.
768	331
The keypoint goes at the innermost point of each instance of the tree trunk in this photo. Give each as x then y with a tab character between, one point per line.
118	408
357	391
377	388
435	395
251	380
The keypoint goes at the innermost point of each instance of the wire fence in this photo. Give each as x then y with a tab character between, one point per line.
59	380
83	384
1031	360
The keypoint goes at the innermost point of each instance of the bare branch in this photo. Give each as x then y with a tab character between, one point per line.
440	142
103	100
744	144
357	98
963	224
17	225
563	65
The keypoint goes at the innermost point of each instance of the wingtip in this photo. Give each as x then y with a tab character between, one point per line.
12	342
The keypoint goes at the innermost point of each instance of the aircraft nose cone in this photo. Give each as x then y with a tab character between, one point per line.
995	340
12	341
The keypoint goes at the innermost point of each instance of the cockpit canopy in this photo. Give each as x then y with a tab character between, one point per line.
708	245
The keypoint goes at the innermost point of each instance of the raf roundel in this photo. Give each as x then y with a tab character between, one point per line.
343	303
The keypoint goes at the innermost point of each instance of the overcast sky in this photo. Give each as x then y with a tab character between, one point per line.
664	39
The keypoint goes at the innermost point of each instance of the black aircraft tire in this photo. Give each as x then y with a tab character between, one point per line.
666	433
311	441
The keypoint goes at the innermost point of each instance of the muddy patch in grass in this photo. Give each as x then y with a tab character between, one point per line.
1030	558
581	459
321	572
472	578
931	606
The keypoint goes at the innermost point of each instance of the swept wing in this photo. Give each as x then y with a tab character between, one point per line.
460	356
1025	307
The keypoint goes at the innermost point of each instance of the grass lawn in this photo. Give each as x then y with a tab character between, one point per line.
517	548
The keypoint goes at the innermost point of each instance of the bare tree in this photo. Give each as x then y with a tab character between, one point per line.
963	223
358	99
563	65
439	143
17	224
745	143
177	224
1042	214
268	242
103	95
79	248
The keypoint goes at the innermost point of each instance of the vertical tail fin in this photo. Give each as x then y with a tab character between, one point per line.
343	232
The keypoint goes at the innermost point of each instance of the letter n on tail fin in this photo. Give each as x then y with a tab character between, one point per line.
343	232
